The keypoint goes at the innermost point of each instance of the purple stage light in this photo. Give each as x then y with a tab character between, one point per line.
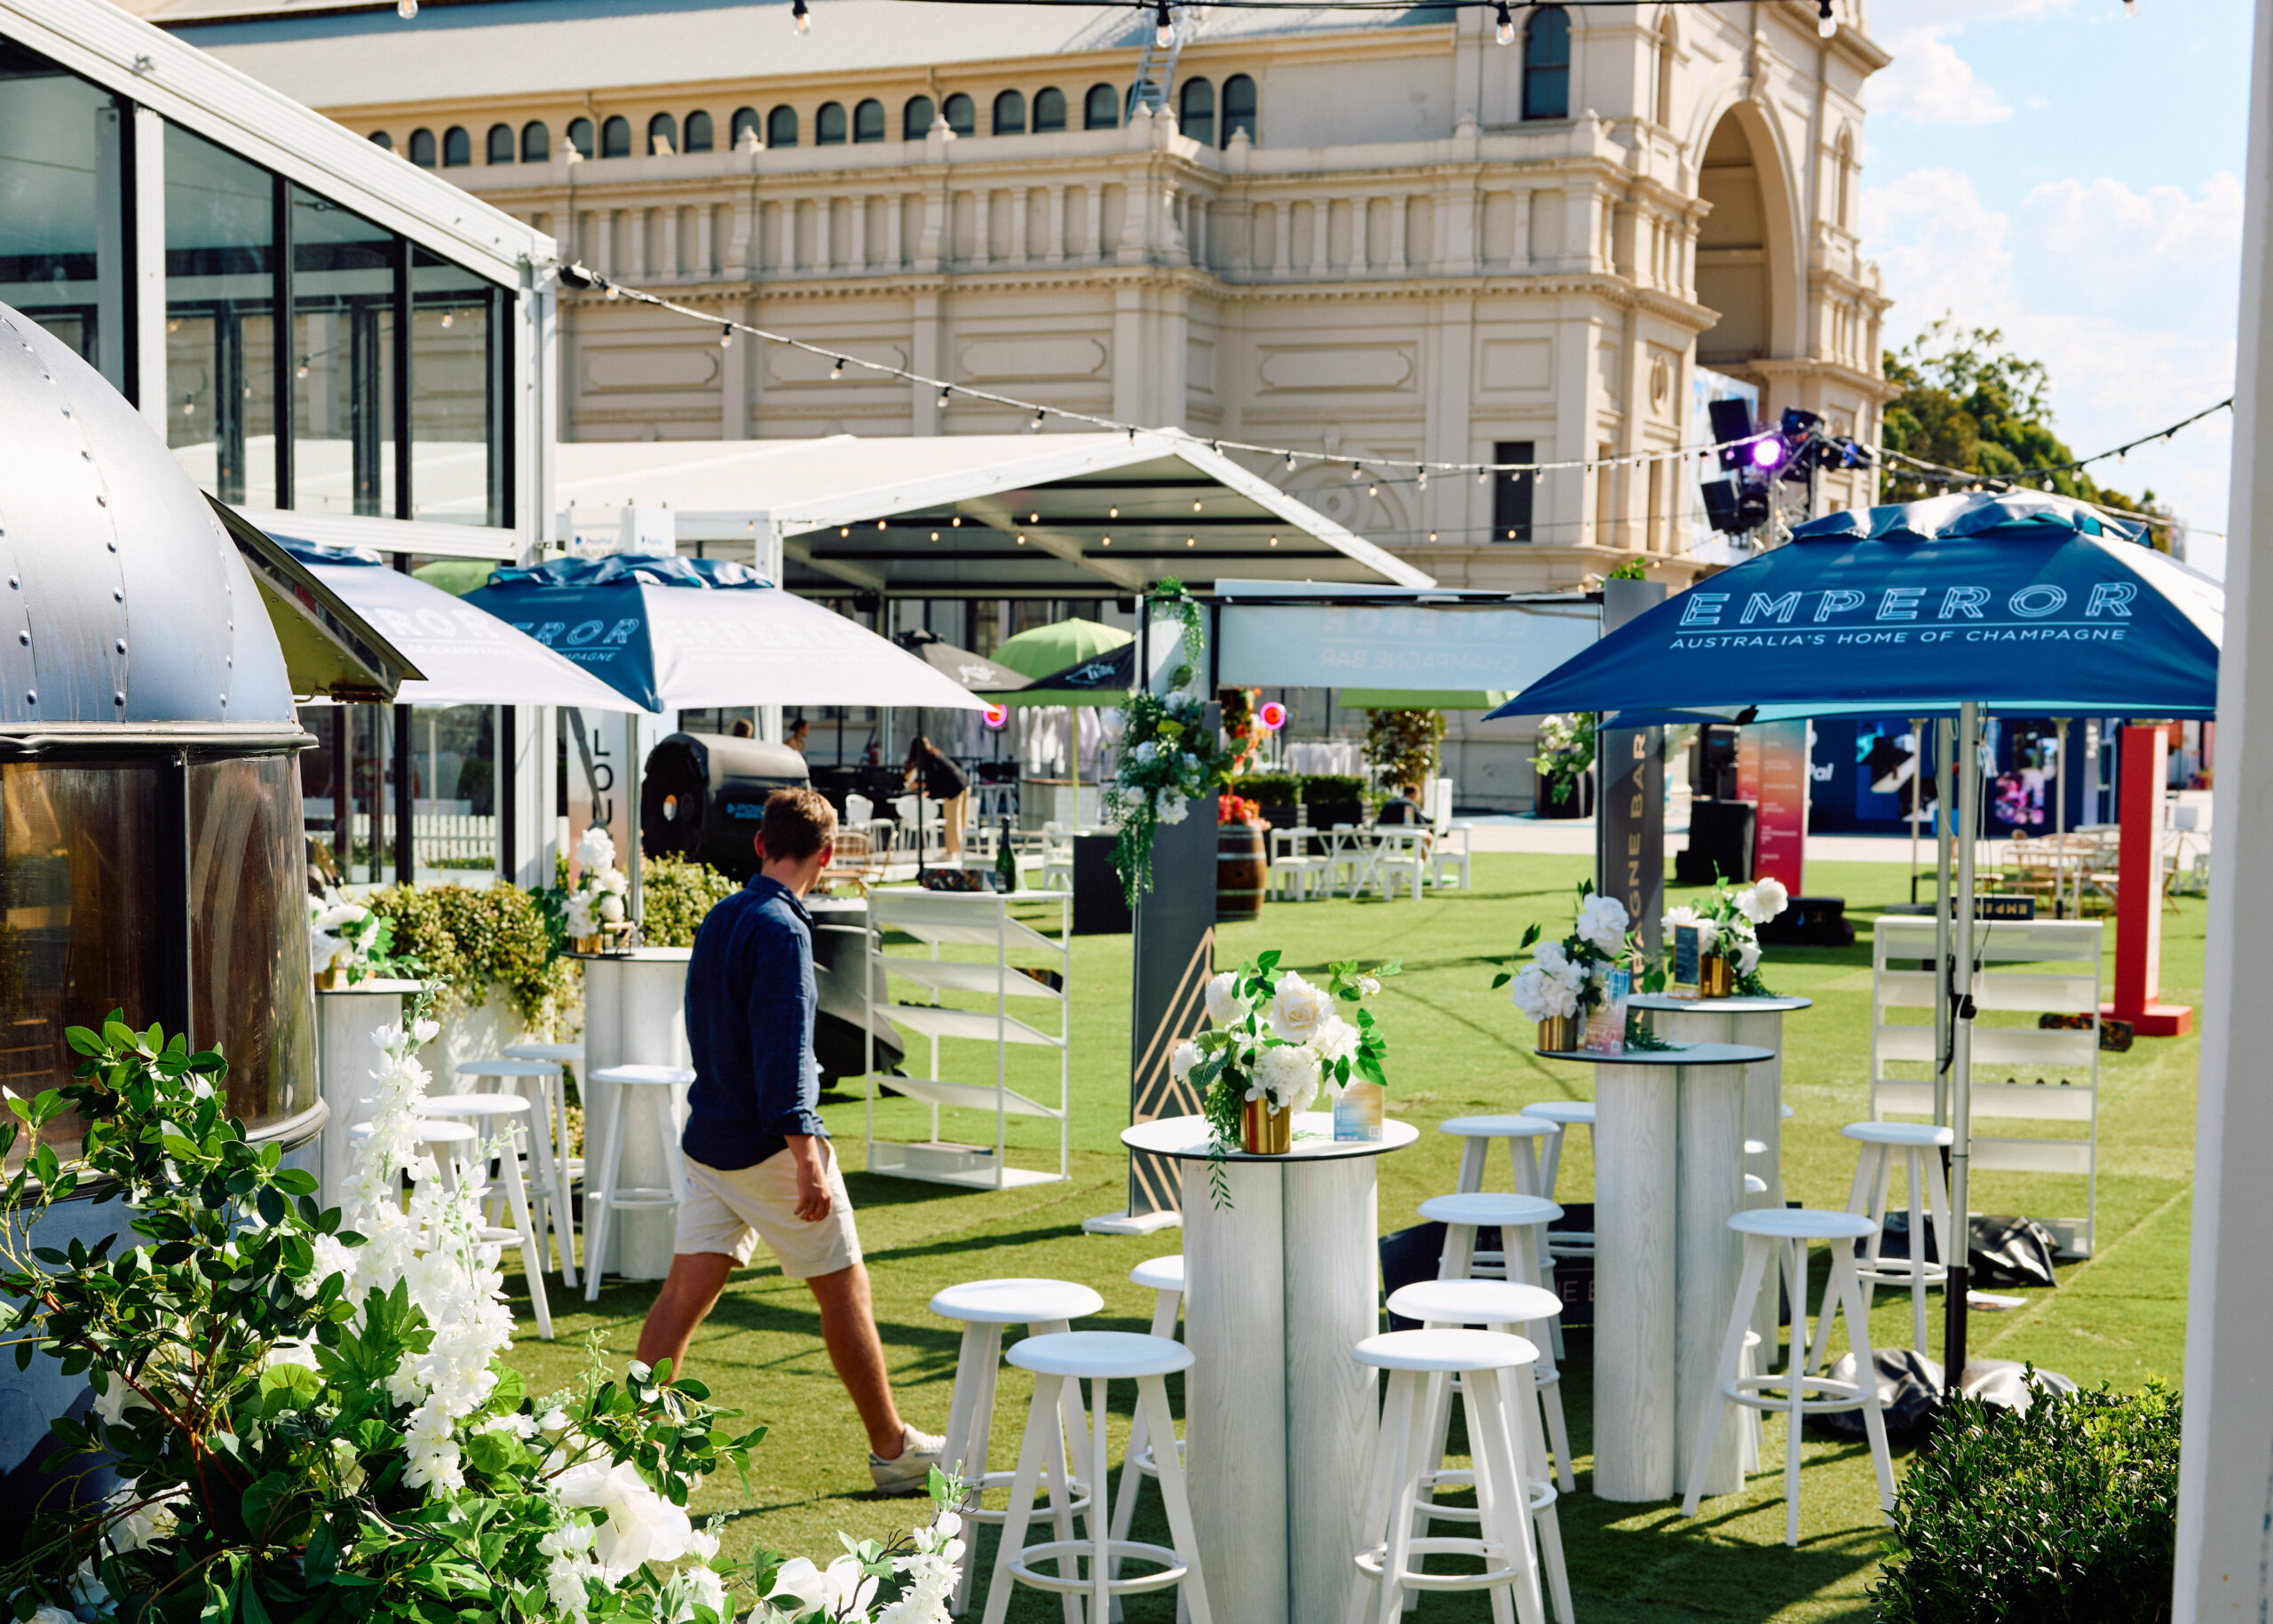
1766	452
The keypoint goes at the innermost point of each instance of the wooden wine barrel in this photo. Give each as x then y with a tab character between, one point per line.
1242	874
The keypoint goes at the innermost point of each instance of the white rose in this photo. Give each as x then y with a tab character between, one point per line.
1146	751
797	1579
1288	1075
596	850
1368	987
846	1591
640	1526
1225	1007
1180	1063
611	907
1529	993
1299	1010
1549	956
1767	898
1336	1039
615	880
580	921
1603	921
1174	808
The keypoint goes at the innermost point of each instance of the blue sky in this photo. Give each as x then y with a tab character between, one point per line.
2073	175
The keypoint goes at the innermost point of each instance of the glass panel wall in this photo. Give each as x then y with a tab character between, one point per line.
62	247
220	330
249	935
457	470
343	341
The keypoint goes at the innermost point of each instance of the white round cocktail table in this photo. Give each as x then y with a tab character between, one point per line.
1278	1419
1668	1176
1758	1022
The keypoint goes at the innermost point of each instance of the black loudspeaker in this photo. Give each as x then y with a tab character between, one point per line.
1720	838
1810	922
1100	907
703	796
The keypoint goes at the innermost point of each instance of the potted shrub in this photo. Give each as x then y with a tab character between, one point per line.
2065	1513
1276	795
1329	798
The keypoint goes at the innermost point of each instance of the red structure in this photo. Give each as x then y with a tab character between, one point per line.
2139	892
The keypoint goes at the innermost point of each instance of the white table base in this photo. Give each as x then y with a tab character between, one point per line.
1280	1420
1669	1175
635	1014
346	1062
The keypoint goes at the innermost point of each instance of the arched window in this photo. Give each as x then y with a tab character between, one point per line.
1048	111
381	139
1195	111
828	124
422	148
868	121
536	144
697	132
1101	109
1238	106
457	148
915	118
1668	54
781	127
580	136
961	114
1010	114
1547	63
662	135
616	138
499	144
745	118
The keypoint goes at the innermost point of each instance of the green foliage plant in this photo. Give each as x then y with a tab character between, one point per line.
1402	744
477	939
675	893
2066	1513
1566	750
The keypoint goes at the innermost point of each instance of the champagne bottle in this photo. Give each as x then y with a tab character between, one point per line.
1005	860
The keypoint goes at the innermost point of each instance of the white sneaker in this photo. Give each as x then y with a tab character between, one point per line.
908	1472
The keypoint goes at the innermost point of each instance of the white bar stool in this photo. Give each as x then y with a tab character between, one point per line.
1767	1231
659	1089
1495	1305
1565	1114
1919	1145
1389	1555
510	1113
1533	1143
539	1082
1096	1357
1164	1277
1523	1259
1045	1308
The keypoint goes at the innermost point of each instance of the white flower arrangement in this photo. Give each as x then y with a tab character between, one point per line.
1729	925
346	939
1571	977
596	901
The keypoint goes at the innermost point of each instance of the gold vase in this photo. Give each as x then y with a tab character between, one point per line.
588	944
1559	1034
326	980
1715	975
1265	1130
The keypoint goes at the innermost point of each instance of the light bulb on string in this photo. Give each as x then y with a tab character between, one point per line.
725	336
1372	488
1290	462
1421	480
2130	8
1483	476
1504	29
447	318
1163	25
837	370
1356	472
943	393
800	16
302	369
1826	24
1035	426
406	9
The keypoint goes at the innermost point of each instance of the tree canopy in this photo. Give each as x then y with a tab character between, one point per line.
1968	402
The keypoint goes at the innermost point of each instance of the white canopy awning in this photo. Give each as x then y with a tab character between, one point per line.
1015	515
469	657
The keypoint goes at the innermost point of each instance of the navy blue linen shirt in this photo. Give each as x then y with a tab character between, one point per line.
750	1000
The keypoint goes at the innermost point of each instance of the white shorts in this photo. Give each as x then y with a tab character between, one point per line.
730	1211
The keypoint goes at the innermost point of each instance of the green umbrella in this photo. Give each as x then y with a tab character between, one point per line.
1044	651
456	576
1420	699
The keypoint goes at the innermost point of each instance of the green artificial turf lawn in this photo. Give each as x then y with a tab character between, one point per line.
1456	1046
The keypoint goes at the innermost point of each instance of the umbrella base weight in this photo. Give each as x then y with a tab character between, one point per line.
2154	1020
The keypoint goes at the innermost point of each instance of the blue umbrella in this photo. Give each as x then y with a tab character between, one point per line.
2020	602
2017	602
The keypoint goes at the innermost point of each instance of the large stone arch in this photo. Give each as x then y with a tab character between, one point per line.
1748	252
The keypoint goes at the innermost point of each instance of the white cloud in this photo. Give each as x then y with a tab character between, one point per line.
1929	83
2128	297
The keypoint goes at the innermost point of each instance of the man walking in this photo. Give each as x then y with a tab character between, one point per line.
759	1165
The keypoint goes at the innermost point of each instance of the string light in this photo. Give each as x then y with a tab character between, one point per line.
1504	29
1421	480
1356	472
302	369
1290	462
1372	488
800	16
1483	474
837	371
406	9
1826	24
1163	25
725	336
943	393
1035	426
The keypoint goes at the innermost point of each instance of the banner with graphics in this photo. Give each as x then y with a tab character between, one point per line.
1773	771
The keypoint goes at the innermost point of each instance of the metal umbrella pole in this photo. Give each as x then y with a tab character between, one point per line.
1944	827
1917	788
2060	777
1960	1002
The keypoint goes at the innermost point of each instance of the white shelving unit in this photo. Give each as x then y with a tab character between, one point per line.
983	920
2020	1074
